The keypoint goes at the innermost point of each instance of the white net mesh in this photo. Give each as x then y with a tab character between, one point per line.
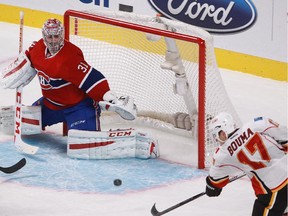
131	64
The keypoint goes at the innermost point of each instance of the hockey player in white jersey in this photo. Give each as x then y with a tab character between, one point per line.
259	149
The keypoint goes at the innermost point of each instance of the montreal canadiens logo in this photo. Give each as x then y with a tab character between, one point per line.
221	16
44	80
47	82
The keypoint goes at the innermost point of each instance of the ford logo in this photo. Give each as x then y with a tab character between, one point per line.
215	16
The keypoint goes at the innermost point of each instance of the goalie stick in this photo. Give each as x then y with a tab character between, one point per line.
20	145
14	168
155	212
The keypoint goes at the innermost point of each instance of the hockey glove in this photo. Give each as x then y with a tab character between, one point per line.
123	105
19	72
211	190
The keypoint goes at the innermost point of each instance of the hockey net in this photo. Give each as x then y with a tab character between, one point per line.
135	53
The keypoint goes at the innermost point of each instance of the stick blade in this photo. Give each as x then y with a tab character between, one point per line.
154	211
25	148
15	167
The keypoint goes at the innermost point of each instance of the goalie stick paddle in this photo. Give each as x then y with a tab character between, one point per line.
155	212
14	168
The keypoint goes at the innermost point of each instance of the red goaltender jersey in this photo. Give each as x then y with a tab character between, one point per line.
66	78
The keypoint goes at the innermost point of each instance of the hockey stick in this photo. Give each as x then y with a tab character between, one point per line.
155	212
20	145
14	168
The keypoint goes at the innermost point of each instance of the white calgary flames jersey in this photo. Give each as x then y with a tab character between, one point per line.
253	149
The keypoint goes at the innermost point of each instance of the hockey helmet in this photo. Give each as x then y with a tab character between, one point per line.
221	122
53	35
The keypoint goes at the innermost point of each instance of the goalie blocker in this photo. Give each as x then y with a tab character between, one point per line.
121	143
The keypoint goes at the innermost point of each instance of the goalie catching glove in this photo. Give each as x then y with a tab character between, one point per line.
123	105
19	72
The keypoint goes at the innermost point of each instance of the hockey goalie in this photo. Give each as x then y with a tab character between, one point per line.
75	93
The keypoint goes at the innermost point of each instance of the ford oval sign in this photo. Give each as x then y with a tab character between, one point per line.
217	16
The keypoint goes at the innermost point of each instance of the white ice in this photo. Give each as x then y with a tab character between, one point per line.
252	96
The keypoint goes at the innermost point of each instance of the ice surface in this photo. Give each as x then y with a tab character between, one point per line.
53	185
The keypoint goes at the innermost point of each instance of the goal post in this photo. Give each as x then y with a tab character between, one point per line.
168	67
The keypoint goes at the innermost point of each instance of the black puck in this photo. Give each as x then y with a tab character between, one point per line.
117	182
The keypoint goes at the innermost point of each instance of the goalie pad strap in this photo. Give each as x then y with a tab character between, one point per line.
113	144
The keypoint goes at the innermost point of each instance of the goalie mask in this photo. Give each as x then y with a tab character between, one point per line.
222	122
53	35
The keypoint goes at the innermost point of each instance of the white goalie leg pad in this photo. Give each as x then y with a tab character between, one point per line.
125	143
17	73
31	120
146	147
123	105
7	119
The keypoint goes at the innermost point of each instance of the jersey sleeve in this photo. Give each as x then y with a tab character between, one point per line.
27	52
85	77
271	128
222	168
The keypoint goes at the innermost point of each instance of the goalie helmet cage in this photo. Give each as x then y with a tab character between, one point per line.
129	48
